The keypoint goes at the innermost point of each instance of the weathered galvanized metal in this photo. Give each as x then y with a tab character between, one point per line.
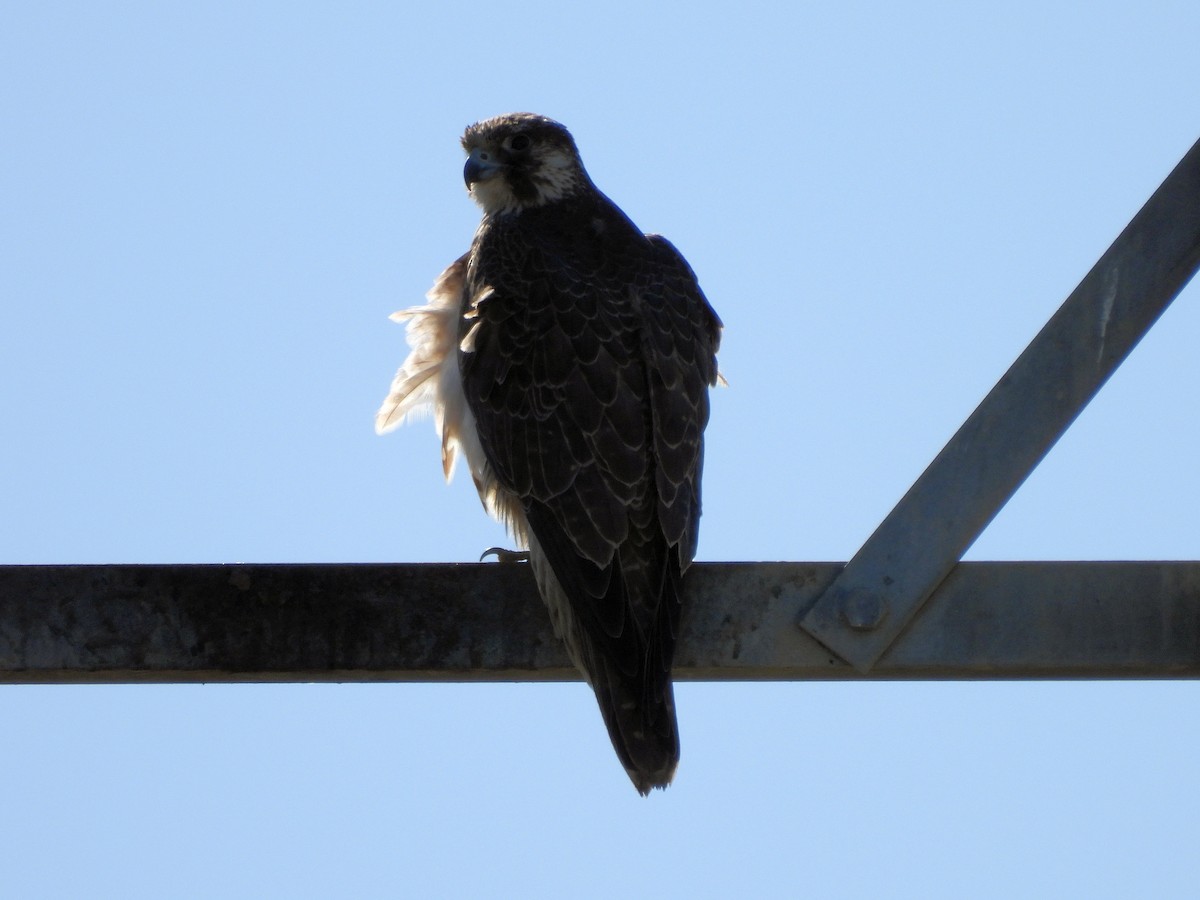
917	545
441	622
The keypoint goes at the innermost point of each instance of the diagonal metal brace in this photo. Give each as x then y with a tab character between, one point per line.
914	549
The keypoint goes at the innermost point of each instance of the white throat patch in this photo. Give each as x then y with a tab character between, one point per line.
557	176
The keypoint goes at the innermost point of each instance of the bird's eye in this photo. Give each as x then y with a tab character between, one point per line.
518	142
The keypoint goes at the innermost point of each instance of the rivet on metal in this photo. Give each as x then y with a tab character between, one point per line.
863	611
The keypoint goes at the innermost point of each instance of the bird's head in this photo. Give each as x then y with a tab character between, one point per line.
520	160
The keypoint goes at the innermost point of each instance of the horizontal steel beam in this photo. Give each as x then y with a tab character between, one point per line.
1018	422
441	622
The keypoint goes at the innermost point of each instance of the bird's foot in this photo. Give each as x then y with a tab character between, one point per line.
505	556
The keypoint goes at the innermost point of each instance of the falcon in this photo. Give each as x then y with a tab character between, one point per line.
567	357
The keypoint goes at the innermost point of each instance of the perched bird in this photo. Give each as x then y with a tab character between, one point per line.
568	357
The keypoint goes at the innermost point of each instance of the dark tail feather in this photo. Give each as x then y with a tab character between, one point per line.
641	723
639	710
624	646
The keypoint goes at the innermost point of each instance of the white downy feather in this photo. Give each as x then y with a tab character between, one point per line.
430	381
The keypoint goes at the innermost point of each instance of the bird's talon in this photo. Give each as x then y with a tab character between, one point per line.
505	556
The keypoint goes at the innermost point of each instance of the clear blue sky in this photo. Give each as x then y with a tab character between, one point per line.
207	213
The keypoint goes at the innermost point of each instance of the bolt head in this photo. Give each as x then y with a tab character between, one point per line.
863	611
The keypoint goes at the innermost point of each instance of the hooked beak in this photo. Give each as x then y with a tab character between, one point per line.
481	165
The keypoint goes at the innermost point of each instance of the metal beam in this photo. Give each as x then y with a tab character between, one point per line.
917	545
439	622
